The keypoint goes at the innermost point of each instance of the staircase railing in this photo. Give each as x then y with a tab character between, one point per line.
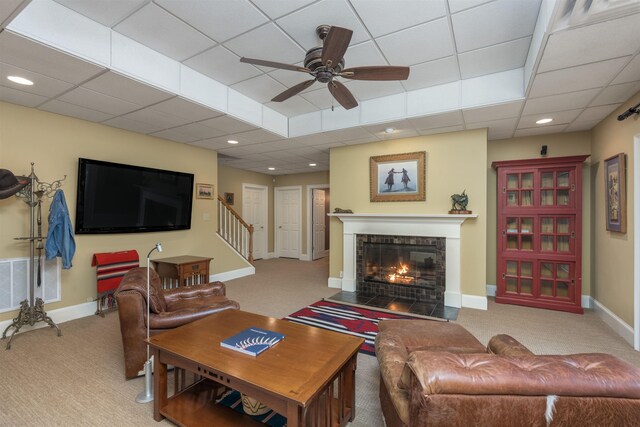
234	230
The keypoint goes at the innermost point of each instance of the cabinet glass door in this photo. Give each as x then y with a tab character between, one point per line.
519	189
557	234
518	277
556	280
556	188
519	232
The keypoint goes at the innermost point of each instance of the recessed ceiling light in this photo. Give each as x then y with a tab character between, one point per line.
543	121
313	164
389	130
232	141
271	169
20	80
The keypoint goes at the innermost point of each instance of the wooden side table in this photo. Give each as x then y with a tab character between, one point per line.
183	270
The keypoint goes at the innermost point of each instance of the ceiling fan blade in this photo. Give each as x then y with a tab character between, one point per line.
335	45
342	95
274	64
385	72
293	90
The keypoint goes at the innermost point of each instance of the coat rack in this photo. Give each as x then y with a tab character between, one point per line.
32	310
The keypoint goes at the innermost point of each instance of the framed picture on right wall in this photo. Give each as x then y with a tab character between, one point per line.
616	193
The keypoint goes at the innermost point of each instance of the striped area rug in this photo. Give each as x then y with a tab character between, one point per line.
346	319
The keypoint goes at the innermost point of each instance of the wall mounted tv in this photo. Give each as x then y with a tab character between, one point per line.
117	198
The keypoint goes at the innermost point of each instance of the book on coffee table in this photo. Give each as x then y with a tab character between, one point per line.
252	341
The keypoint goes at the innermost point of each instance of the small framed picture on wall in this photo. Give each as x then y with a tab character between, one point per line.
228	198
616	193
204	191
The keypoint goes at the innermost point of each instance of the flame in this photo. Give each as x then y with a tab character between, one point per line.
399	274
403	269
392	277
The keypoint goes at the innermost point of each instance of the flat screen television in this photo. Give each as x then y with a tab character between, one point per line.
118	198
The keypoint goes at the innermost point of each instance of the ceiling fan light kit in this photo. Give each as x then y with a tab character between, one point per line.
325	63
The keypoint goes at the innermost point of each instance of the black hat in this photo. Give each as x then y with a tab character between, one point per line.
11	184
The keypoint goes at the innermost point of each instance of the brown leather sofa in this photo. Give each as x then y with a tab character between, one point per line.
438	374
169	308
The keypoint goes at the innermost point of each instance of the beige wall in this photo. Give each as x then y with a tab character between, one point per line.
54	143
455	162
613	254
558	145
230	180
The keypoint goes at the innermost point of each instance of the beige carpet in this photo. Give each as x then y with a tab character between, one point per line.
78	379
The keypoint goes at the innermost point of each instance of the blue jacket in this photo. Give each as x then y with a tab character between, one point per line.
60	241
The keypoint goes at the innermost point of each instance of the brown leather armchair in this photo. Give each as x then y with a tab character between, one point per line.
169	308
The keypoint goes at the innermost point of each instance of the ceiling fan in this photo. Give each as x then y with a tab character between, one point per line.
325	63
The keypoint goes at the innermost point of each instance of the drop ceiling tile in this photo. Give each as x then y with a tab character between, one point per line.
186	109
267	42
364	90
596	113
198	131
494	112
42	85
494	23
21	98
456	6
581	126
107	13
222	65
494	59
127	89
255	136
592	43
562	81
290	78
87	98
559	117
432	73
405	133
205	143
425	42
364	54
452	118
617	93
350	134
398	126
317	139
539	131
301	25
228	124
292	106
630	73
261	88
283	144
66	109
157	119
133	125
565	101
175	135
219	20
321	97
276	8
381	16
23	53
9	8
445	129
498	129
358	141
163	32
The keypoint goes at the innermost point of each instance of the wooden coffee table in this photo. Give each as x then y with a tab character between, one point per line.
309	377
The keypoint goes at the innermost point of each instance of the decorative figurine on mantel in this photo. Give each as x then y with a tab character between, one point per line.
460	202
343	211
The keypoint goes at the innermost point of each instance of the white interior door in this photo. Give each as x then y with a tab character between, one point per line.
319	224
254	211
288	202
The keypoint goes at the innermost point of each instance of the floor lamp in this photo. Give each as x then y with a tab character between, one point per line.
147	395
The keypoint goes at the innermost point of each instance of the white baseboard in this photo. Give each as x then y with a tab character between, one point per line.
334	282
233	274
59	316
305	257
474	301
269	255
587	301
617	324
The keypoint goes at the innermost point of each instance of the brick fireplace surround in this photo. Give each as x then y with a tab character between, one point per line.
424	225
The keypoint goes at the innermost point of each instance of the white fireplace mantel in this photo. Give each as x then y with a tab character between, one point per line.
427	225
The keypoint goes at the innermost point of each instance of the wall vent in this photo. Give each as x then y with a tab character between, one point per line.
14	282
